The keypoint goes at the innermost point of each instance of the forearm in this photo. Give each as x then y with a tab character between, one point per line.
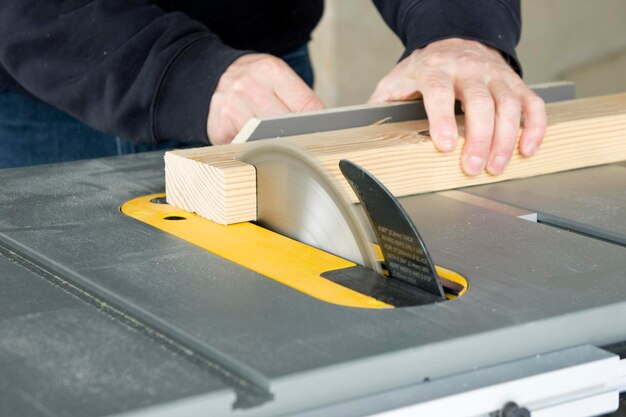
123	67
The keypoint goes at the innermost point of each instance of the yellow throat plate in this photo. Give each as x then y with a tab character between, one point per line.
282	259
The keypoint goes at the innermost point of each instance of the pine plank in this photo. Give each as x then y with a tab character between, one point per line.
581	133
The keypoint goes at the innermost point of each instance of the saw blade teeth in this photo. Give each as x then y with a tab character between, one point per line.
298	198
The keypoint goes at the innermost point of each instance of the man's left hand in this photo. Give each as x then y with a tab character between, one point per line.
493	97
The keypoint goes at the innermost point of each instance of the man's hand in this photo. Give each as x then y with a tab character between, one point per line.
492	94
255	85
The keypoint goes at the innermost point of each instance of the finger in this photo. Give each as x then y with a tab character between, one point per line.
479	123
535	122
438	92
220	130
268	105
507	125
237	112
226	117
394	88
295	94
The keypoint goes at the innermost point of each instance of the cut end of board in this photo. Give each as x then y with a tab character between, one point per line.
222	190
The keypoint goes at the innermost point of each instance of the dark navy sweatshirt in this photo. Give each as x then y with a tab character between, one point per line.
146	70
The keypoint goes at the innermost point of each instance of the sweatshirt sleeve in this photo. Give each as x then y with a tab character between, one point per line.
496	23
120	66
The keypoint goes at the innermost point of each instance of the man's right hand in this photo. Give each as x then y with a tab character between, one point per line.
255	85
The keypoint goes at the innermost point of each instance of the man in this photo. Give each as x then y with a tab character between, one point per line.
196	71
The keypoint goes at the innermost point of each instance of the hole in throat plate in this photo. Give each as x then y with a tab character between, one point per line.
174	218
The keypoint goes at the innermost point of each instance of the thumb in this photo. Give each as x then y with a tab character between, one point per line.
296	94
305	101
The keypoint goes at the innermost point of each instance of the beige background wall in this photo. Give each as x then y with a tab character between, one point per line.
578	40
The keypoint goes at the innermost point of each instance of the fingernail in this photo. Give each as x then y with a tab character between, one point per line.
473	165
446	140
498	164
530	149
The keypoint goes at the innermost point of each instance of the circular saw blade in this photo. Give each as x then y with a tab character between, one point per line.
298	198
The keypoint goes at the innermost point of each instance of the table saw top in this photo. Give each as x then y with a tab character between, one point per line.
101	314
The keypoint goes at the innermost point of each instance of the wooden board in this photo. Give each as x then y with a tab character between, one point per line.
581	133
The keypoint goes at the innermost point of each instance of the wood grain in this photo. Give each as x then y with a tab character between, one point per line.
212	183
581	133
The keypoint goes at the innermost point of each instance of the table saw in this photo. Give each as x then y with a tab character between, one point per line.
114	303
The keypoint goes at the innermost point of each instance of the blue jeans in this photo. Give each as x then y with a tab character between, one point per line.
33	132
298	59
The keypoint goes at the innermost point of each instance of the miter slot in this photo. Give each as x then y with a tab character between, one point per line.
535	217
579	229
586	202
245	382
618	348
490	204
76	359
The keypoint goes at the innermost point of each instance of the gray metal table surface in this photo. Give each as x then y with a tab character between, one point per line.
590	201
533	289
62	356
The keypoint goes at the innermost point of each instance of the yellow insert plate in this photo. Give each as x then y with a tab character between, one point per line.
282	259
